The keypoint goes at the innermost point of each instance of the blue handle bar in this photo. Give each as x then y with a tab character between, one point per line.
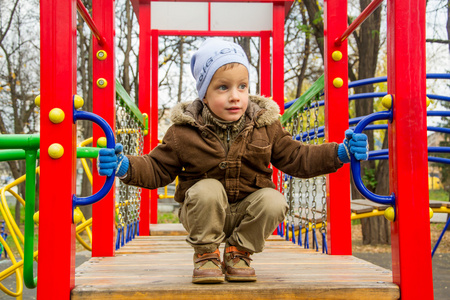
356	165
110	143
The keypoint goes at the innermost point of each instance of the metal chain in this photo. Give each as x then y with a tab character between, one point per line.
130	134
294	135
307	182
314	180
120	188
323	228
300	181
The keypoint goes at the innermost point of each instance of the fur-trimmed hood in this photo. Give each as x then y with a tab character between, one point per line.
262	110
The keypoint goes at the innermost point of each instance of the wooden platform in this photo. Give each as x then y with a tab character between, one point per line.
160	267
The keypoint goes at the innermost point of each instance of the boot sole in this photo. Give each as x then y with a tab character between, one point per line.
208	279
240	278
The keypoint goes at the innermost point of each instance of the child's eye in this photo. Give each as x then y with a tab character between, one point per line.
223	87
243	86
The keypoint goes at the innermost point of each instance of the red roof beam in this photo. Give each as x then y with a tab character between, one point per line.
90	22
358	21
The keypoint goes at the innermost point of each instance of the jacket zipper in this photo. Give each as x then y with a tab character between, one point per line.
228	138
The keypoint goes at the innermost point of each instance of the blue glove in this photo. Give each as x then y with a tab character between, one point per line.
354	144
110	159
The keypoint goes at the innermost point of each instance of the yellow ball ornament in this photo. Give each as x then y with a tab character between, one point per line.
428	101
37	100
431	212
55	151
101	142
77	216
101	55
56	115
78	102
102	83
338	82
389	213
387	101
336	55
36	217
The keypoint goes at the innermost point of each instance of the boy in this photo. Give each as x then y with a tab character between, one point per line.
220	146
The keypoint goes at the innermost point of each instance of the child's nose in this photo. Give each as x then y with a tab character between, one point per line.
234	95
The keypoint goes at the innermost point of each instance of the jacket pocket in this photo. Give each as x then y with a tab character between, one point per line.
259	149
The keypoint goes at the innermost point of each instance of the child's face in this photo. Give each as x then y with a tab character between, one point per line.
227	93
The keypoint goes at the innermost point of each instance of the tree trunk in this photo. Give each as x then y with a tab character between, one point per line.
315	15
448	24
375	229
180	79
307	52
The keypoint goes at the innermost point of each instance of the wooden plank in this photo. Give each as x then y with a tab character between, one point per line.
360	209
167	229
369	203
439	204
161	268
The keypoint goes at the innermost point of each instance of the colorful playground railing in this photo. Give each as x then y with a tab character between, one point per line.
405	53
303	125
28	254
131	127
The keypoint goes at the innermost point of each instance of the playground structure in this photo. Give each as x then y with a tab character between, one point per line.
406	82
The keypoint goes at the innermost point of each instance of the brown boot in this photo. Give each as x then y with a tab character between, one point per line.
236	265
207	268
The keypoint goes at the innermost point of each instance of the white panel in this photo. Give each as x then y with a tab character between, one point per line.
179	15
241	16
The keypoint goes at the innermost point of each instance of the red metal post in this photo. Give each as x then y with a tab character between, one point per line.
278	55
278	64
264	64
336	122
153	119
56	268
144	102
103	212
408	163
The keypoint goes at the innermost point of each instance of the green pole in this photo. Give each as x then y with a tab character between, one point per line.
19	141
19	154
30	193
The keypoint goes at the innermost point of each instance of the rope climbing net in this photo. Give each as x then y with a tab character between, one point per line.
130	133
306	198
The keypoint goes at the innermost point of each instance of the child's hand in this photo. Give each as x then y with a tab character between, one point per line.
110	159
354	144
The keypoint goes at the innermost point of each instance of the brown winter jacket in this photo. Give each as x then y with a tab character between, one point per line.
193	152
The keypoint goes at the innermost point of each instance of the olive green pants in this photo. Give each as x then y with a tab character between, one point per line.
210	219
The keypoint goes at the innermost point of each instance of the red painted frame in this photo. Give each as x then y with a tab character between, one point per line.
148	68
153	121
103	212
406	81
339	239
145	84
56	268
410	233
265	65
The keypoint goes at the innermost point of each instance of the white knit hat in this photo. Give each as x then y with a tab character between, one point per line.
211	55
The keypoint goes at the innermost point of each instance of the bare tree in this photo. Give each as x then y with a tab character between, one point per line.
19	78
